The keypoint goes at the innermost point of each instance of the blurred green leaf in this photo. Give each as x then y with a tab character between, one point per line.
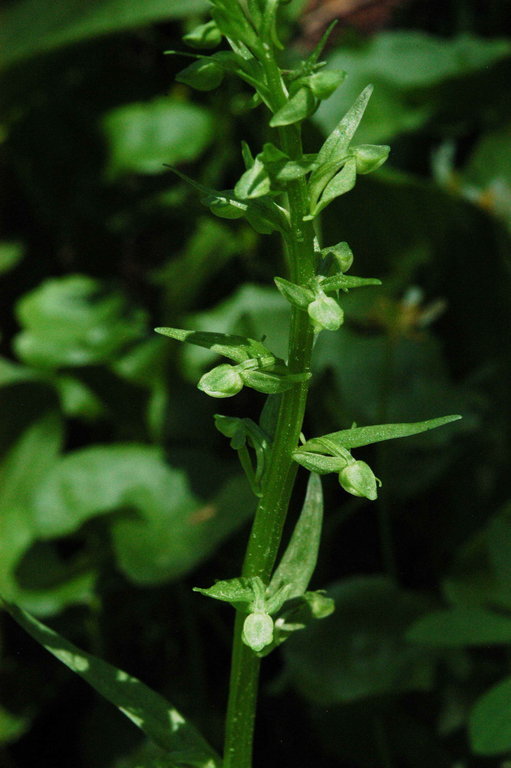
22	471
163	724
165	530
457	627
31	27
142	137
360	651
399	63
74	321
10	254
480	574
168	542
11	726
490	721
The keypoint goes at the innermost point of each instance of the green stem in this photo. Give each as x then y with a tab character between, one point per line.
266	533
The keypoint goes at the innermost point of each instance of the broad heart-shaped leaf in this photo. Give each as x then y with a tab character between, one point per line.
143	136
162	529
360	652
22	470
358	436
73	321
237	348
490	721
300	557
459	626
70	21
149	711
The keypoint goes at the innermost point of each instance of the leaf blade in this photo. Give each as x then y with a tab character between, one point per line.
359	436
149	711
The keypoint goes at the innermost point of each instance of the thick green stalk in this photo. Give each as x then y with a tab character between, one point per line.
271	513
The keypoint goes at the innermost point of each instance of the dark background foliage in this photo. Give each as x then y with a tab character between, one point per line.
116	493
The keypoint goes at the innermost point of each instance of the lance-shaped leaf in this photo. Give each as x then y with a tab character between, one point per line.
334	151
346	282
149	711
336	145
358	436
239	592
300	557
237	348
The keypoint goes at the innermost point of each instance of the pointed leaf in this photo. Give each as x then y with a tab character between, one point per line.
295	294
237	348
300	557
335	149
239	591
346	282
149	711
490	721
336	145
354	438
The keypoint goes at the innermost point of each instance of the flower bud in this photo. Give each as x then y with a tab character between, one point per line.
222	381
323	84
204	36
369	157
258	631
342	253
358	479
325	313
